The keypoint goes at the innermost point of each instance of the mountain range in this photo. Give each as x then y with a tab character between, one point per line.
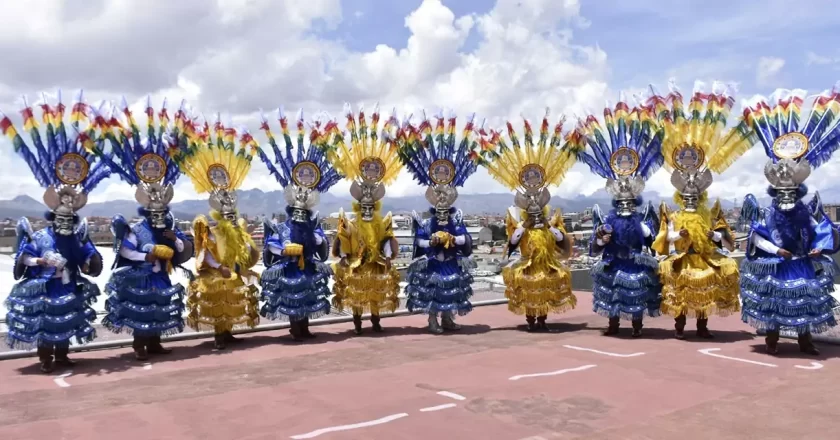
256	202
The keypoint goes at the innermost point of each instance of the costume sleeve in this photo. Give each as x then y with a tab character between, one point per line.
764	244
558	236
275	245
210	261
460	240
517	235
179	245
716	236
672	234
129	248
646	231
29	260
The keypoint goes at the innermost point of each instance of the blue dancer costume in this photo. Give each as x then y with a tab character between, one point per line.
295	281
51	305
627	153
142	300
786	278
439	282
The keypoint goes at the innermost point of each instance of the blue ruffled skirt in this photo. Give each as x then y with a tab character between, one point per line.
794	295
292	294
436	286
143	303
626	287
46	311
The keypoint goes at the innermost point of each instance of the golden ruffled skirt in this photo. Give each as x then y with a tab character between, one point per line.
371	287
221	304
698	286
538	289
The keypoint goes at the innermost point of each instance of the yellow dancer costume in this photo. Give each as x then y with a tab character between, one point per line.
698	279
224	295
538	282
365	281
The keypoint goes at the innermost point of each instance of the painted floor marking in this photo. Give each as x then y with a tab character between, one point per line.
552	373
438	408
451	395
813	366
708	351
606	353
59	380
321	431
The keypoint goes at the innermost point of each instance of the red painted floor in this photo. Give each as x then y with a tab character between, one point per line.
270	388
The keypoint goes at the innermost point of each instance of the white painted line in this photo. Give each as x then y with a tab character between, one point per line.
438	408
451	395
59	380
321	431
708	351
606	353
553	373
813	366
147	366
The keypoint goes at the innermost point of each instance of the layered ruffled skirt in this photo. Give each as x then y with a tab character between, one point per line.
535	289
370	287
143	303
627	288
222	304
46	311
293	294
792	295
699	286
437	287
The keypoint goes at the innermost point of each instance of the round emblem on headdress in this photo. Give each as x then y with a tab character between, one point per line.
790	146
689	157
372	169
150	168
306	174
532	176
624	161
71	168
219	176
442	171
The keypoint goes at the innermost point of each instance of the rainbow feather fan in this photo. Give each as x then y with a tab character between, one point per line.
58	139
130	145
294	153
594	144
421	145
781	114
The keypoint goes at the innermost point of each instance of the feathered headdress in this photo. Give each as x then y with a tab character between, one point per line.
626	153
215	165
65	164
695	142
144	160
795	147
371	160
530	168
305	172
434	159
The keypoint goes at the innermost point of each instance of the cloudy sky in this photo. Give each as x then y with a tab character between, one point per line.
500	59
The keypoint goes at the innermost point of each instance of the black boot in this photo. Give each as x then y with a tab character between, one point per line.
45	355
374	319
532	327
771	341
637	328
155	346
703	329
294	330
806	345
61	356
541	325
612	328
139	345
304	329
219	341
679	327
357	324
230	339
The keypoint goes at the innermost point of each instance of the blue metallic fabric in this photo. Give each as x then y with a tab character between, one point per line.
143	302
626	283
42	309
435	286
291	293
794	295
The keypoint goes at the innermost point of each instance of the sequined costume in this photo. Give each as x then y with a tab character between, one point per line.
295	281
365	280
224	294
698	278
439	281
626	152
538	282
50	305
786	278
142	299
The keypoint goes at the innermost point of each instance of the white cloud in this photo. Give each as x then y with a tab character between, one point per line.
768	70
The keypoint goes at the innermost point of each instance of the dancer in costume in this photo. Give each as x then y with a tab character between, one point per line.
439	280
786	278
627	153
51	304
698	279
142	300
365	280
295	281
538	282
224	294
